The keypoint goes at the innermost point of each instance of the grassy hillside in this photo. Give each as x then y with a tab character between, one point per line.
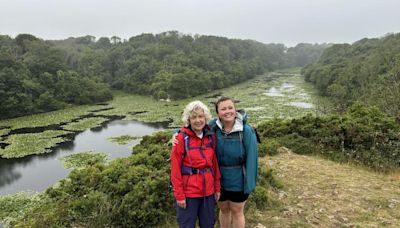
322	193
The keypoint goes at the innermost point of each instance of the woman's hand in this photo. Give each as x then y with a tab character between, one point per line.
174	140
181	203
217	195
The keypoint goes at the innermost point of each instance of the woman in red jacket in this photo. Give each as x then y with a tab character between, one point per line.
195	175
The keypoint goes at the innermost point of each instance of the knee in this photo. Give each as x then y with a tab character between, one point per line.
237	210
225	210
237	213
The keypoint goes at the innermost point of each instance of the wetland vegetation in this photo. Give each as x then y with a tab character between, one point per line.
42	76
130	186
273	115
140	108
249	95
19	174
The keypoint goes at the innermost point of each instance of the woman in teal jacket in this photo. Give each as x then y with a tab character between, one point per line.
237	157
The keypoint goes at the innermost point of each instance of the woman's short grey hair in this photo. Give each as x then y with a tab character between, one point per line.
192	108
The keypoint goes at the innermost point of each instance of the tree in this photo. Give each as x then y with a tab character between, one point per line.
115	39
20	41
103	42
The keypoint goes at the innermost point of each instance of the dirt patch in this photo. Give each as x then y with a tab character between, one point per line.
322	193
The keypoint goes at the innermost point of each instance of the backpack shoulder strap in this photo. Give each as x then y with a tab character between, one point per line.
254	131
257	135
186	139
211	141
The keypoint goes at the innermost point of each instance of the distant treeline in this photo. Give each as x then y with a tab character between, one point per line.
368	71
39	76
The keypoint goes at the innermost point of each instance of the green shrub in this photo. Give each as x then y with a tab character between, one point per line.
298	144
268	147
267	179
363	135
129	192
259	198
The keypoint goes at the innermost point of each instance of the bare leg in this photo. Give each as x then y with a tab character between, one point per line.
224	214
237	211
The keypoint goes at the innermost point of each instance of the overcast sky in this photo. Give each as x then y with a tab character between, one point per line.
268	21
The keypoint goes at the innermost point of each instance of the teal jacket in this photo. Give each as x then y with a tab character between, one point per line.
237	155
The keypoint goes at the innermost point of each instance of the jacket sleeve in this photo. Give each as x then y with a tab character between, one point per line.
251	147
176	164
217	174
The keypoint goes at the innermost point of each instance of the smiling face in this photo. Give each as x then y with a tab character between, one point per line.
197	120
226	111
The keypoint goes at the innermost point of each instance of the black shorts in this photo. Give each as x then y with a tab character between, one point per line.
237	197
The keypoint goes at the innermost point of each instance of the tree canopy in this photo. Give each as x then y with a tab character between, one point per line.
38	75
367	71
35	77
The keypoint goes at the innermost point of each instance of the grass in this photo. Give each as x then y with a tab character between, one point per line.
323	193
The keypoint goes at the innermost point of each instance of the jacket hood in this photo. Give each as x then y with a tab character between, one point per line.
242	114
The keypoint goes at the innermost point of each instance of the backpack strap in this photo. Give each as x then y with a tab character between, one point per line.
257	135
211	141
186	140
186	170
187	147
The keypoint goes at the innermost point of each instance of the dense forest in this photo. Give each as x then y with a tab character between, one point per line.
38	75
34	77
367	71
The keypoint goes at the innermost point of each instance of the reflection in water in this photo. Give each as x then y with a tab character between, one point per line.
38	172
273	92
8	175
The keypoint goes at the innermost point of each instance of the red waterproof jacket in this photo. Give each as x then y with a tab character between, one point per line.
197	184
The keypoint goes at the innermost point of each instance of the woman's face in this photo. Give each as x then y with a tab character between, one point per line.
197	121
226	111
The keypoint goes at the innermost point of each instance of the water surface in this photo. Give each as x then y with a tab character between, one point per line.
38	172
